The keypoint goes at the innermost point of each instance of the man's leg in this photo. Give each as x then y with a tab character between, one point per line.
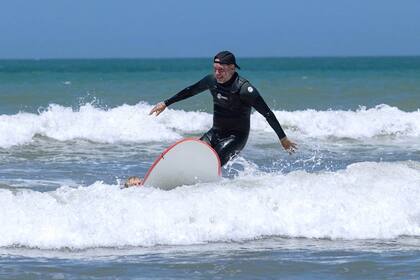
230	146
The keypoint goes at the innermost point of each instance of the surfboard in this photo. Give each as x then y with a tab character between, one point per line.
187	162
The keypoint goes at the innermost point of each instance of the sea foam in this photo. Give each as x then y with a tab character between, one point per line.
365	200
381	120
121	124
132	123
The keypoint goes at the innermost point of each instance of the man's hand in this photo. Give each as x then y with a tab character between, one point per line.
288	145
159	108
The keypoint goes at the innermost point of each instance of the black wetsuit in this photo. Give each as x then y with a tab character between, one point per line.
233	101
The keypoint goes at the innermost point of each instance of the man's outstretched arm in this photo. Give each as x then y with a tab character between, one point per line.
187	92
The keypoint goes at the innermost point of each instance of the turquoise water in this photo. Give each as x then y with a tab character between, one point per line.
322	83
344	206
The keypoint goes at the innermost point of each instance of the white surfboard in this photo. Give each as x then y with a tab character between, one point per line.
186	162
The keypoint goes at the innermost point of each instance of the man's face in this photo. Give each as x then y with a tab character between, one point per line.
223	72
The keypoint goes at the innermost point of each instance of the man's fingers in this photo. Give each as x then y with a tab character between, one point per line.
158	109
289	146
153	110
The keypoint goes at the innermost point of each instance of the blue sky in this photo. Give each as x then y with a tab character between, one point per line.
188	28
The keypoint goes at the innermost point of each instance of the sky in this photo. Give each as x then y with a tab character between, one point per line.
193	28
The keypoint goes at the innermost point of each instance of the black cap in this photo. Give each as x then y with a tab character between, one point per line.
226	57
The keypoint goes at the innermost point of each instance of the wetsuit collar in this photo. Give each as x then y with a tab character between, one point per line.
230	81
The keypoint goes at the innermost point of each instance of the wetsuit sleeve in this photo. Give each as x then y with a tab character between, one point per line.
192	90
251	96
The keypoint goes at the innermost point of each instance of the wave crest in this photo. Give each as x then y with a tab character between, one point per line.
133	124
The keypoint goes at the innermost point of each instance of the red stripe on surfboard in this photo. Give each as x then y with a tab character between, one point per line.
219	167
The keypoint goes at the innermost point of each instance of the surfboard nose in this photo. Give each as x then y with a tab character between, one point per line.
187	162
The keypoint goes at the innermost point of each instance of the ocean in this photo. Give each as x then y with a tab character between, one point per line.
344	206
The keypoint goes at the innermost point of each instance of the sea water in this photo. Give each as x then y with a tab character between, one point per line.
344	206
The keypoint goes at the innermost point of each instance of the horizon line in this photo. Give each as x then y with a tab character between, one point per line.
207	57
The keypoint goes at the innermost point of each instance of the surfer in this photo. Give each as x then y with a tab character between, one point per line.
233	99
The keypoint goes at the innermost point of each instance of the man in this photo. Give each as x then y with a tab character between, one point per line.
233	99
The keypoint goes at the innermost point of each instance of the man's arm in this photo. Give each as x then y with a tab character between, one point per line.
251	96
192	90
187	92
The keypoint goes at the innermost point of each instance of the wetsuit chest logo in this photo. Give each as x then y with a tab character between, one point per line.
220	96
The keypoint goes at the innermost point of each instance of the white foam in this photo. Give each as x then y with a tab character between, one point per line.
367	200
123	123
382	120
127	123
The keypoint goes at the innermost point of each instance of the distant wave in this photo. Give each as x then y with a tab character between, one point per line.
133	124
366	200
